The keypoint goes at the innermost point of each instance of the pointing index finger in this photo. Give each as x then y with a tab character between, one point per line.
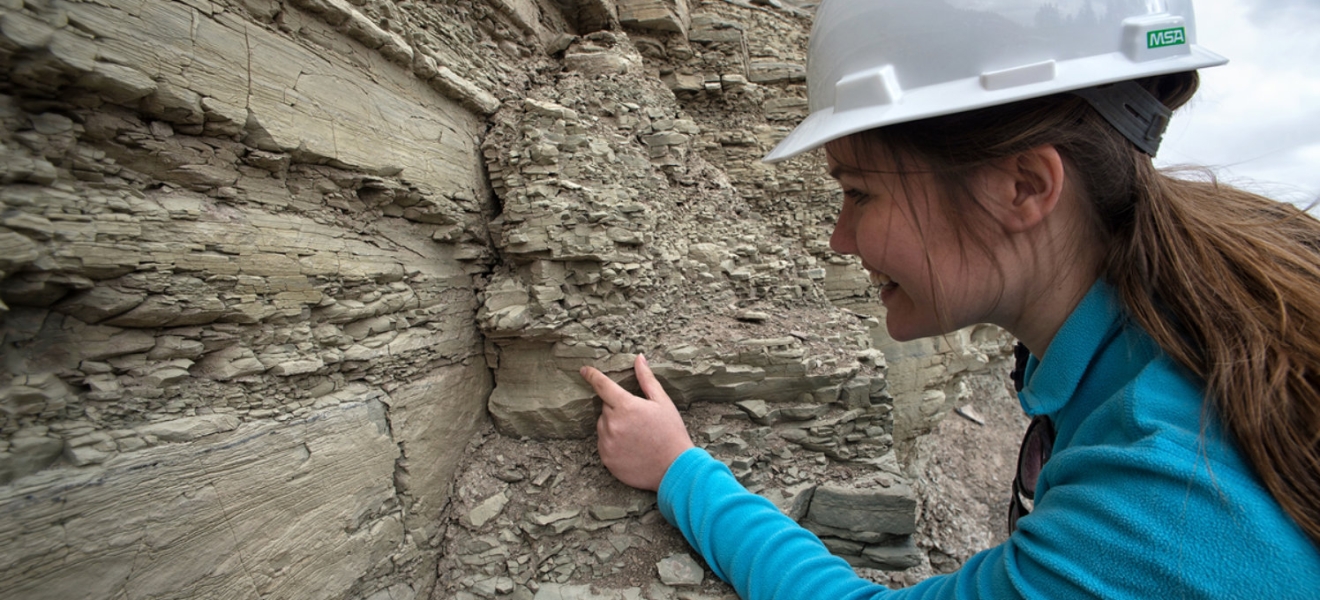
610	392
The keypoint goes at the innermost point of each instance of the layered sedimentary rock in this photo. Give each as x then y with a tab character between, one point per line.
294	295
232	339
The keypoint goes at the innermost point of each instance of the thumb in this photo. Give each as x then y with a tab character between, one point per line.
651	387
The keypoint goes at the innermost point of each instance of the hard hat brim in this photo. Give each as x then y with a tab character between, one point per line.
826	125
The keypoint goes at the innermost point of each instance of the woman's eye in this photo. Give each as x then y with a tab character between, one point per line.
856	196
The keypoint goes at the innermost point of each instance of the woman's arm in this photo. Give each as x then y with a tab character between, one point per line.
748	542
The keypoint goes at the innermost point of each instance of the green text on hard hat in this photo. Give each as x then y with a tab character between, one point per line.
1166	37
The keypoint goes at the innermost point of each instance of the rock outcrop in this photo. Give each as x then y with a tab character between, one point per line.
294	295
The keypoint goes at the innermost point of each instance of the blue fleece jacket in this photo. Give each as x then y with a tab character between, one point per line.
1145	497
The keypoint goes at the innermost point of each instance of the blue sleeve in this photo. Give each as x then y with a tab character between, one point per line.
1117	525
748	542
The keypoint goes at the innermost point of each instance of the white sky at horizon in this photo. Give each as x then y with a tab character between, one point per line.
1256	120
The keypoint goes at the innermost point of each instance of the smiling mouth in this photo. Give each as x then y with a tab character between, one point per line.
880	280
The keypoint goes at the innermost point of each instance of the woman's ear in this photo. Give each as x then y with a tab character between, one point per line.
1025	188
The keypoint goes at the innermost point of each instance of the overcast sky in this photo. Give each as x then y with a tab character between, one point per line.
1256	120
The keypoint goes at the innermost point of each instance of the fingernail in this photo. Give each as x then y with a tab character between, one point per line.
643	357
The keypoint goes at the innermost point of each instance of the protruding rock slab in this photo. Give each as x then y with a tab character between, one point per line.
891	510
535	398
658	15
869	527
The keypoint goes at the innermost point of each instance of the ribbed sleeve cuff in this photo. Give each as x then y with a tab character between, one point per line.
680	478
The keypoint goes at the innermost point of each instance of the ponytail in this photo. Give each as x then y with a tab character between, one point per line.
1228	284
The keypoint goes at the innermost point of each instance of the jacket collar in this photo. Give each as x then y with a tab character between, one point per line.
1053	379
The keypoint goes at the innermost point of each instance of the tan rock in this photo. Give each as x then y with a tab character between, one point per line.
680	82
464	91
27	455
189	428
155	311
171	346
25	31
534	398
118	83
597	63
117	344
314	497
659	15
297	367
229	363
33	226
334	12
34	394
16	250
175	104
774	72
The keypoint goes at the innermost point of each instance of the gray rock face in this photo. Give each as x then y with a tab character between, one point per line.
294	296
220	479
225	301
600	263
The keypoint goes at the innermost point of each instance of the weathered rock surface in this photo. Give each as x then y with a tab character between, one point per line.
221	501
236	352
870	527
294	295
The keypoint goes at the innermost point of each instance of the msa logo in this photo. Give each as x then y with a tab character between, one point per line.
1166	37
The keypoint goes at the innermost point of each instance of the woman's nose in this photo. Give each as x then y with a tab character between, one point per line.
844	240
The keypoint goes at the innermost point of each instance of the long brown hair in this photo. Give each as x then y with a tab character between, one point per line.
1225	281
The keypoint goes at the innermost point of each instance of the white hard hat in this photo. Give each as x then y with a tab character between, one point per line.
872	63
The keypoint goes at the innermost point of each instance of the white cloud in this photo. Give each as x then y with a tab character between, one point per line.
1256	121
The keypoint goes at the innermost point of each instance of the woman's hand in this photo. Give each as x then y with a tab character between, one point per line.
638	437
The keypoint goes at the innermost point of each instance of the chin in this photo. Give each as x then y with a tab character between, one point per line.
904	332
904	326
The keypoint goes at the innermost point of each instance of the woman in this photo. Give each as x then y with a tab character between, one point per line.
1001	172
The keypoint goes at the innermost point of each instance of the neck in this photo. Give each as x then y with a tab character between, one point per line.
1058	265
1044	314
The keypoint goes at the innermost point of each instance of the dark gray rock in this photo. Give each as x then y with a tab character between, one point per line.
890	510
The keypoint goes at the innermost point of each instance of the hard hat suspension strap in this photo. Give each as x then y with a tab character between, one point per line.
1132	110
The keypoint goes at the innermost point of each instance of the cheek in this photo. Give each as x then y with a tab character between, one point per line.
892	238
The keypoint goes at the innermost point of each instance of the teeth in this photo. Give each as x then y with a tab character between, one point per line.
879	279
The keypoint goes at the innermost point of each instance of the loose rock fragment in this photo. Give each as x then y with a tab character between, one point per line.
968	412
680	570
488	509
